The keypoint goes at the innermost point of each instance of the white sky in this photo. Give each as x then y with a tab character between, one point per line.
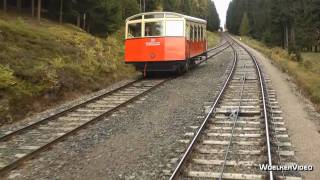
222	7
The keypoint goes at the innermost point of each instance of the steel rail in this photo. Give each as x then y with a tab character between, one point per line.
63	112
275	133
16	163
21	130
219	51
262	86
216	53
234	124
191	145
218	46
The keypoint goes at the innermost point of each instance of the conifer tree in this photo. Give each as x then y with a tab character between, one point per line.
244	27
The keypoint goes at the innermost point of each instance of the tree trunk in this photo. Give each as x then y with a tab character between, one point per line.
84	22
293	38
78	20
19	5
286	42
39	10
88	27
61	11
5	5
32	8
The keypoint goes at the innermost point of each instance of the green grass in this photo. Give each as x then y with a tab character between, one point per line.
213	39
46	63
306	73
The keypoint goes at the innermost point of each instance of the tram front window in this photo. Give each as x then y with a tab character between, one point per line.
134	30
174	28
153	29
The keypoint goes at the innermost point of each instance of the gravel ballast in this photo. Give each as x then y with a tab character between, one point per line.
300	117
137	141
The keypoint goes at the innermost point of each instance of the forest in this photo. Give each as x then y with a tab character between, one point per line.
293	25
54	50
102	17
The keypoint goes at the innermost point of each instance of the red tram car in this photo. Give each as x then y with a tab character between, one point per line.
164	41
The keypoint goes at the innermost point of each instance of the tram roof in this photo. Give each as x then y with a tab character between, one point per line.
190	18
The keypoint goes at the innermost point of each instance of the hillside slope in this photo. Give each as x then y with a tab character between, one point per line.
44	64
213	39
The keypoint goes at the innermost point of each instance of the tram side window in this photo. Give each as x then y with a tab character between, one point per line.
134	30
201	37
153	29
191	33
188	32
196	33
199	33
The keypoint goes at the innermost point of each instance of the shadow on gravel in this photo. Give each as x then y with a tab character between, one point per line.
161	75
171	74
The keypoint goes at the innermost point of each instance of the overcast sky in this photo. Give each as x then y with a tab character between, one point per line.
222	7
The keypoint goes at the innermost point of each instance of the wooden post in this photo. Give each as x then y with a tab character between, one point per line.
39	10
5	5
32	8
61	11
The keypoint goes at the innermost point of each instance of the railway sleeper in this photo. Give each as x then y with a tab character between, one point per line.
74	119
204	150
242	112
241	143
84	115
245	135
96	112
230	99
248	103
213	128
243	122
241	107
203	174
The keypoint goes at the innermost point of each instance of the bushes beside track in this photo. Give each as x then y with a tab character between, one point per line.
305	72
45	64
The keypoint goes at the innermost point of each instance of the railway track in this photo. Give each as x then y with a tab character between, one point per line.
242	130
24	141
213	52
218	49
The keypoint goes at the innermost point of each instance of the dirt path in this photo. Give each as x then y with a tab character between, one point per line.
303	131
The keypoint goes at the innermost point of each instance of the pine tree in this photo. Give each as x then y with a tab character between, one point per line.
213	17
244	27
102	17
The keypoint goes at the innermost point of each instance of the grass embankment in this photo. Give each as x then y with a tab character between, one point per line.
45	64
305	73
213	39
